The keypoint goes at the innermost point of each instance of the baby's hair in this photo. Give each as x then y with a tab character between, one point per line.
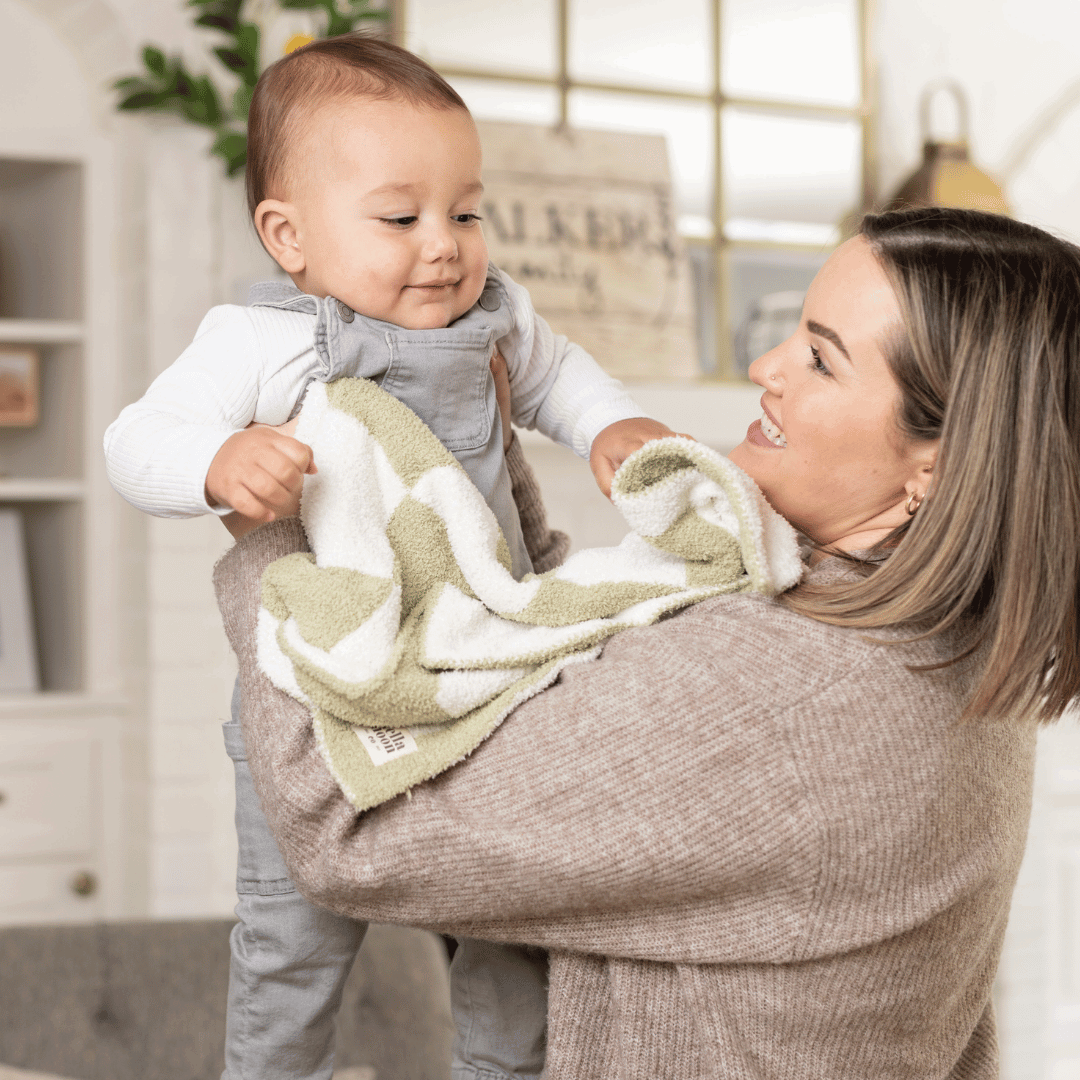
349	66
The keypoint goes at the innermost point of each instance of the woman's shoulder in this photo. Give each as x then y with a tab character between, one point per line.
745	650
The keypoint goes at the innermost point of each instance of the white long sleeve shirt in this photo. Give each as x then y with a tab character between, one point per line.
254	363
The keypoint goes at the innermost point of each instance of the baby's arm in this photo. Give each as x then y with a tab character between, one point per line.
182	450
561	390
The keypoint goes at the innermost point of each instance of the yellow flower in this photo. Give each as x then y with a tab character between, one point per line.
297	41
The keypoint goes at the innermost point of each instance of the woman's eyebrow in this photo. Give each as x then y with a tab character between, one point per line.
828	335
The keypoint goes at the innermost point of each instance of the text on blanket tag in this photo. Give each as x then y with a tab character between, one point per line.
385	744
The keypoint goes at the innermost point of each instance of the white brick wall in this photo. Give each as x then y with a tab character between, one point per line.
193	844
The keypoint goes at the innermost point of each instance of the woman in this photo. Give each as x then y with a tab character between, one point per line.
778	838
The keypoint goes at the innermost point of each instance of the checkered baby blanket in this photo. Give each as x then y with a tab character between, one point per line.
404	631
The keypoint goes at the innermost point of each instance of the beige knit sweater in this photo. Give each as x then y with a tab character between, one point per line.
756	846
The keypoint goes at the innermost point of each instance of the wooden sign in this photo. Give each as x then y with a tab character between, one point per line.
585	221
18	386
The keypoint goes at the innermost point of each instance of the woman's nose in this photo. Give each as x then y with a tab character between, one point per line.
767	370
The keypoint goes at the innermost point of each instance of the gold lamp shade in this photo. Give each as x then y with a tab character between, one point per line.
947	176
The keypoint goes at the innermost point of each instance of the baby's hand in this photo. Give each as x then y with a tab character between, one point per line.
618	441
259	472
502	395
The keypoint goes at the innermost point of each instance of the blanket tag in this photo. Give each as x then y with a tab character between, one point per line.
385	744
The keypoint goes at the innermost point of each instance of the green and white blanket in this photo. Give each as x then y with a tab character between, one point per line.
404	631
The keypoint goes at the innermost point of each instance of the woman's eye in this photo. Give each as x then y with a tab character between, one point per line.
818	364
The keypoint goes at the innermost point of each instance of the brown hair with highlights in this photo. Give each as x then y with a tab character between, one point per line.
990	365
350	66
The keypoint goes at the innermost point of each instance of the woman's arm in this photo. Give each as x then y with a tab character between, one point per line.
736	783
630	797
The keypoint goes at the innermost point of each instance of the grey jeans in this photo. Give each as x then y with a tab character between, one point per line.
290	960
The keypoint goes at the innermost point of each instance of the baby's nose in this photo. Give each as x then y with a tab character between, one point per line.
440	244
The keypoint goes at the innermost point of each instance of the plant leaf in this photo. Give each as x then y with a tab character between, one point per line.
231	146
217	22
242	100
154	59
230	58
144	99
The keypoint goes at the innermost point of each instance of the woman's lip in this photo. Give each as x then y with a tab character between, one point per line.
756	437
766	411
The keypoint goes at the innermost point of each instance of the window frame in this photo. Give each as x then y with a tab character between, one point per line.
721	247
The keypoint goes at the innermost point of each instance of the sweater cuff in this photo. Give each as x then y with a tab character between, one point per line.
547	547
238	575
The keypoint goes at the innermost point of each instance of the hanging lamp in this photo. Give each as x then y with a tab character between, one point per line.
947	176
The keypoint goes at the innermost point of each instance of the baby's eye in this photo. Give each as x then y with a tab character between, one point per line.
466	219
401	222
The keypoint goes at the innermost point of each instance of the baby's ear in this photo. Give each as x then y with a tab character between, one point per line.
275	221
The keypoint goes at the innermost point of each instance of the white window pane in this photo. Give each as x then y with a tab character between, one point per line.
489	99
788	180
636	42
765	299
791	50
688	128
489	34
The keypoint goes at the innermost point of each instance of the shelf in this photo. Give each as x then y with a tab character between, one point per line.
40	331
21	490
59	705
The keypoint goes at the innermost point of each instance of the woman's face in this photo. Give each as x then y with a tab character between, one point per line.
827	452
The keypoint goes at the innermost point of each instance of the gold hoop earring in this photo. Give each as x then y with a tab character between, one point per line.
913	503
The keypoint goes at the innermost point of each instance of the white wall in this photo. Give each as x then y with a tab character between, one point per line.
1017	59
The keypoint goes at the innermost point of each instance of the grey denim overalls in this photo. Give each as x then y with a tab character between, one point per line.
442	375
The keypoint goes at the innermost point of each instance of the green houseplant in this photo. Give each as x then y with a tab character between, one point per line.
166	85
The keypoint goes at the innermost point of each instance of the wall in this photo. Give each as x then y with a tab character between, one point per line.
1018	61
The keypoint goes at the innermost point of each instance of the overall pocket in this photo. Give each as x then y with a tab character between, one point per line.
445	378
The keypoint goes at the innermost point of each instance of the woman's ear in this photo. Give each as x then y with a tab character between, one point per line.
923	474
276	223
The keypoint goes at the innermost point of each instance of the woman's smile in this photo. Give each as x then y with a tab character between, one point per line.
766	432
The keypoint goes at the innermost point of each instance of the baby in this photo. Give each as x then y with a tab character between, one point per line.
363	181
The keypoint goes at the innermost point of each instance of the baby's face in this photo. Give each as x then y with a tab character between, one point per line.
387	196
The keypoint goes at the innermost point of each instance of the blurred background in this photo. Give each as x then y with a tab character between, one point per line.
739	141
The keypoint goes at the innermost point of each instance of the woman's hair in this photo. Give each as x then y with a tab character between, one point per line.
989	363
349	66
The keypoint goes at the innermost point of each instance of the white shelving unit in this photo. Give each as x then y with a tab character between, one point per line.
63	850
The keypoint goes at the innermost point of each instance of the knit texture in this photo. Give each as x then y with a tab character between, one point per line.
757	846
405	631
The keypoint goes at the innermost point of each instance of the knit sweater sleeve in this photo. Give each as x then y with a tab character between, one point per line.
733	784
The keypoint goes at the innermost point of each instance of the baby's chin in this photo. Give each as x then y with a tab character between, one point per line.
436	316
